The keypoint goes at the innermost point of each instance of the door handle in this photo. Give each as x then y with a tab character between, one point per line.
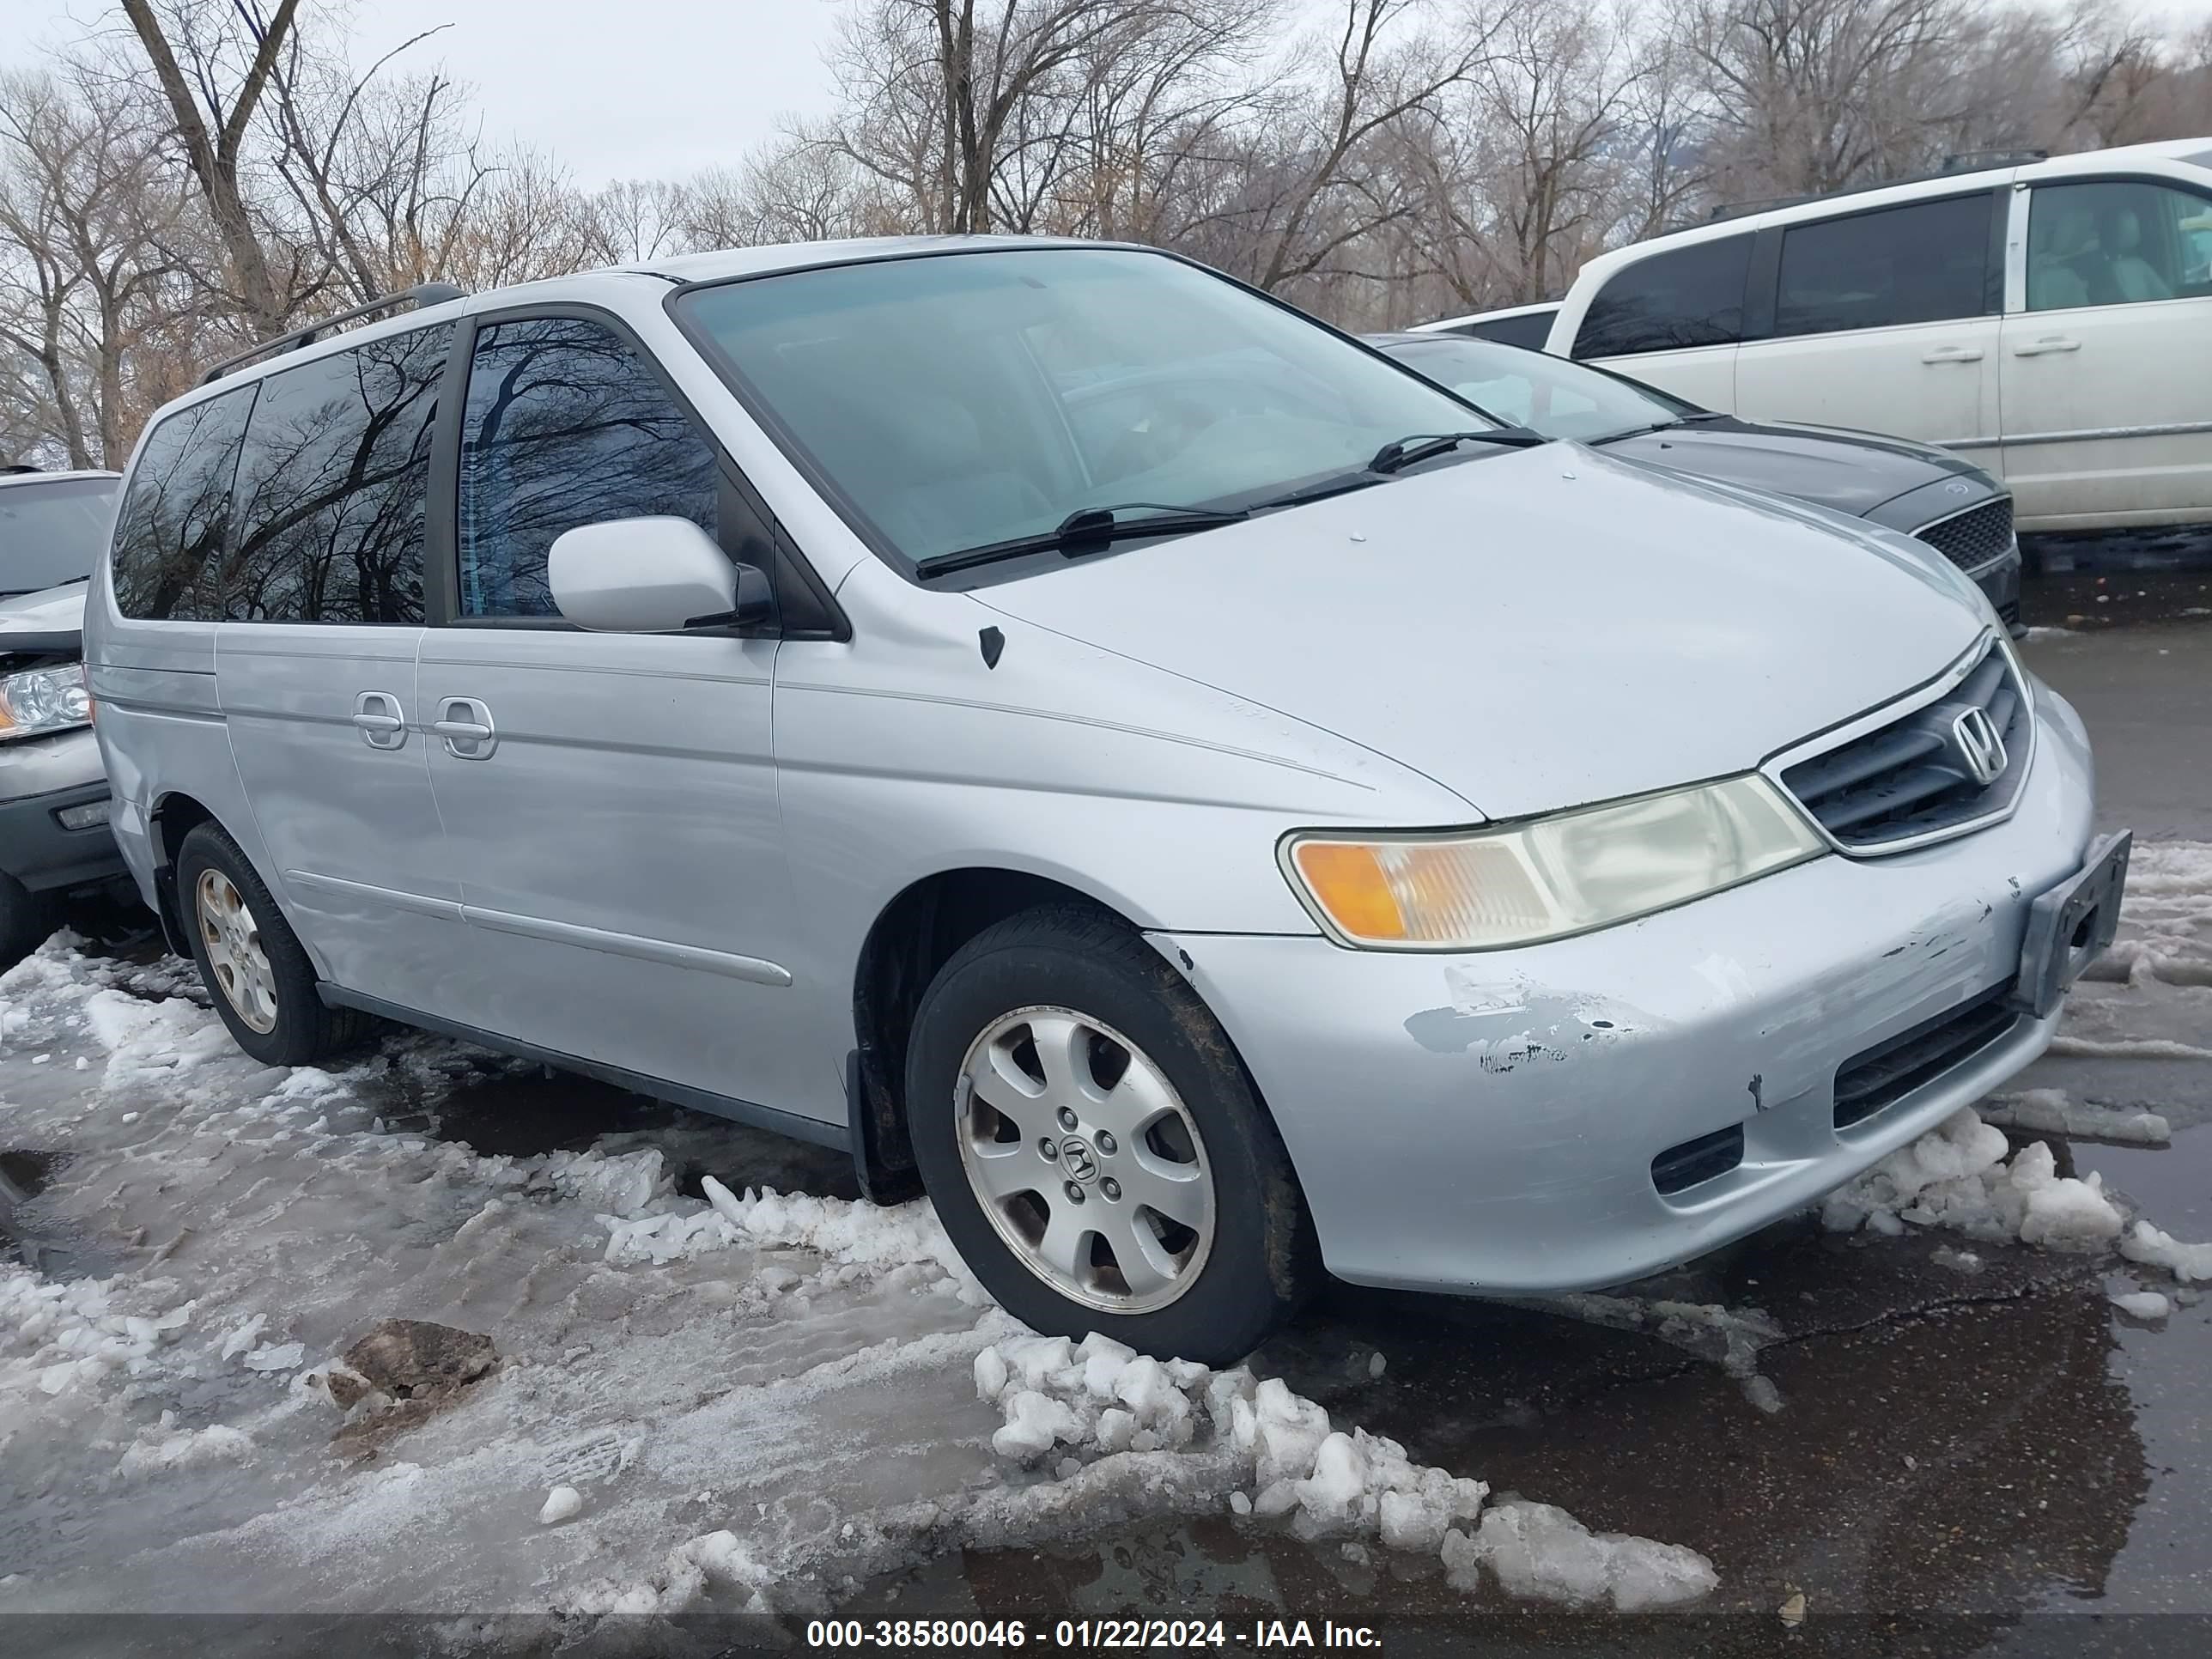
381	722
466	727
1953	354
2048	343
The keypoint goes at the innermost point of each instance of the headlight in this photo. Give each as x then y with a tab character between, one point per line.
1548	876
44	700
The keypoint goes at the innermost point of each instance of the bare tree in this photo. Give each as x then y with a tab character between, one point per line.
213	120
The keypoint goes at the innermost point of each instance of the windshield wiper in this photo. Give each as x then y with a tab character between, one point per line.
1088	530
1401	453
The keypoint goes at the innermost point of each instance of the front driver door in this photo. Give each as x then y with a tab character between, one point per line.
608	799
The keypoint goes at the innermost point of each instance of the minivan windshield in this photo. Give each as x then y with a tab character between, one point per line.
1550	395
953	402
52	533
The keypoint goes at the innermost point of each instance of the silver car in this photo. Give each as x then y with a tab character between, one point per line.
1201	799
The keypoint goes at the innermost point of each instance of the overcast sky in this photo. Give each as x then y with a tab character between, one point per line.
614	89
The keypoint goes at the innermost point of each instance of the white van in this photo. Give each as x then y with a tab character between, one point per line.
2053	320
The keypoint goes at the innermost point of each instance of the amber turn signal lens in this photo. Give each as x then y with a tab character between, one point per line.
1347	881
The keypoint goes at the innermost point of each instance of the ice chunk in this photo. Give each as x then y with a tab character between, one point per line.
243	1339
990	1371
1239	1503
1412	1521
2051	1111
1376	1363
1287	1432
2186	1262
562	1504
2143	1304
1539	1551
1331	1495
271	1356
1033	1422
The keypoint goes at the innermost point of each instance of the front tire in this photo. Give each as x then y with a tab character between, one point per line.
1094	1147
256	971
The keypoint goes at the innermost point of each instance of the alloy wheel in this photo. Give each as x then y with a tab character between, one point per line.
1085	1159
235	957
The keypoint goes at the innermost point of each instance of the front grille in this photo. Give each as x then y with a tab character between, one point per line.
1971	539
1914	777
1680	1168
1882	1076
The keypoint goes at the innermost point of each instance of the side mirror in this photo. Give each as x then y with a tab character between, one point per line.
652	576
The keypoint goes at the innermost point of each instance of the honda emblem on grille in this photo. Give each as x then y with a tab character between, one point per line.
1980	746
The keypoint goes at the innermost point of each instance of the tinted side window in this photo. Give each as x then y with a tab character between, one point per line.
565	425
1530	332
329	499
176	508
2117	242
1693	296
1922	263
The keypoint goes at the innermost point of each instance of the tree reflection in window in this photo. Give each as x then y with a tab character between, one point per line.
330	497
565	425
170	529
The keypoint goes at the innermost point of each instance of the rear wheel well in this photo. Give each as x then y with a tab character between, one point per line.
916	935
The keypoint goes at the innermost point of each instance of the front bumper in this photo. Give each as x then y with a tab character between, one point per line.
1488	1122
41	777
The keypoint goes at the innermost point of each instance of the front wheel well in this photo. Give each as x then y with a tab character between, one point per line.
173	817
913	939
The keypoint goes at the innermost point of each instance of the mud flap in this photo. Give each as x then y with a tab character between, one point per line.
883	1159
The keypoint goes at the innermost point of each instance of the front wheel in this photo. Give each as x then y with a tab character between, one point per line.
1094	1147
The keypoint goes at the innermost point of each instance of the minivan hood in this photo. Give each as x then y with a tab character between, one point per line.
48	622
1852	472
1534	629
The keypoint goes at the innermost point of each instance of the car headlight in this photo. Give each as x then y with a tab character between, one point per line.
44	700
1545	877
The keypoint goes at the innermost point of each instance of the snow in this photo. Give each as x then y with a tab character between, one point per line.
1272	1453
2052	1111
2147	1245
165	1447
1957	1178
2144	1305
561	1505
1542	1552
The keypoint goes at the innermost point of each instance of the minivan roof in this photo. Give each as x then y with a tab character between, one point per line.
7	479
586	285
2187	151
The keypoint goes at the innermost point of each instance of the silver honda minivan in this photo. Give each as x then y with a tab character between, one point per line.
1205	803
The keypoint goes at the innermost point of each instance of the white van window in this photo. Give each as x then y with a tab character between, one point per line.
1692	296
1924	262
176	509
329	506
564	425
2117	242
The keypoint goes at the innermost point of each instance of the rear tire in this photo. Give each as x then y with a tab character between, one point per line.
1167	1215
256	971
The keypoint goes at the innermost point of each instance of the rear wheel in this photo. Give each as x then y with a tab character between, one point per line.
1094	1147
255	970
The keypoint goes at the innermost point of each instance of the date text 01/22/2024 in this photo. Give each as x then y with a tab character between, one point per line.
1084	1635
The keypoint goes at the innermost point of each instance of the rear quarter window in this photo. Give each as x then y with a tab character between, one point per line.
175	521
1529	332
1690	296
